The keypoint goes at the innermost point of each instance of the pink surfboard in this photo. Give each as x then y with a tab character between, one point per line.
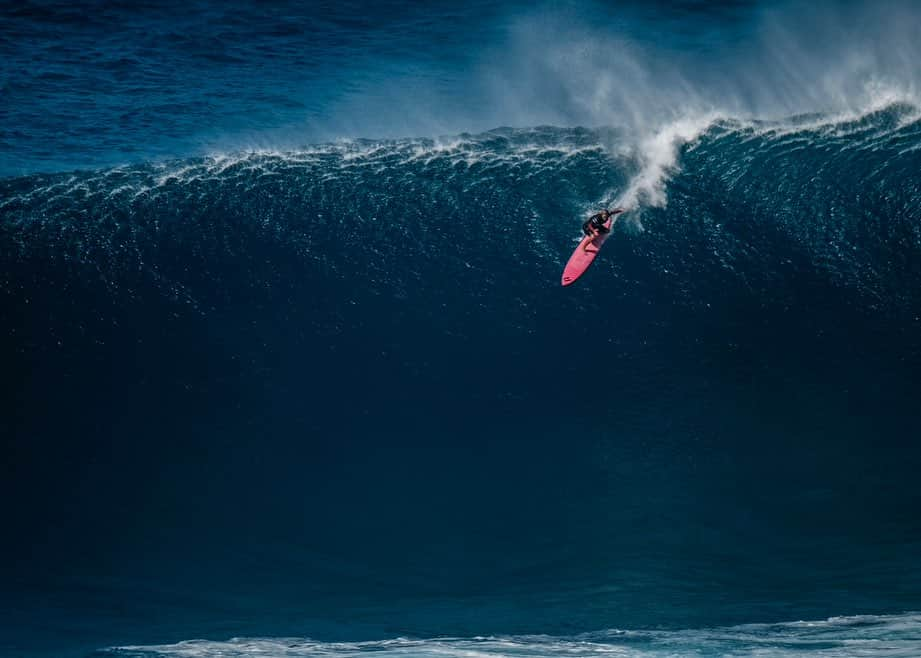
583	256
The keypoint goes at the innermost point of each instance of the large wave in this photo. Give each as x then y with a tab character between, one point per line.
292	342
342	380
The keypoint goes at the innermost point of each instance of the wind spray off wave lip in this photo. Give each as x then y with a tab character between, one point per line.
276	80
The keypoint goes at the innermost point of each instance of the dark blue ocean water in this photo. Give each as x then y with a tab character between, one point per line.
288	370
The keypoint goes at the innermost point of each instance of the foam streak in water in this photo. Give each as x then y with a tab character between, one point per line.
868	635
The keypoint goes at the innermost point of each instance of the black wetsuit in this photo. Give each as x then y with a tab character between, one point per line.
595	222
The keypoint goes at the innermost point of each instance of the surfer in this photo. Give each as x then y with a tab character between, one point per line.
595	225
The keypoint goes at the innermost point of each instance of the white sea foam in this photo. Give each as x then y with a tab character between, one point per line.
868	636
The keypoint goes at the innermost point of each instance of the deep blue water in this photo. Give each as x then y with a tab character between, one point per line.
286	355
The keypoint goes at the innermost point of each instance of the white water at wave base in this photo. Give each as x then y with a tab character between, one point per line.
868	636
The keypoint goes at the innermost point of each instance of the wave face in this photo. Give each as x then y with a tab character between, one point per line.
260	389
344	383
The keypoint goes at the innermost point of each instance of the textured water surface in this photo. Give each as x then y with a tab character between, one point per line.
286	355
